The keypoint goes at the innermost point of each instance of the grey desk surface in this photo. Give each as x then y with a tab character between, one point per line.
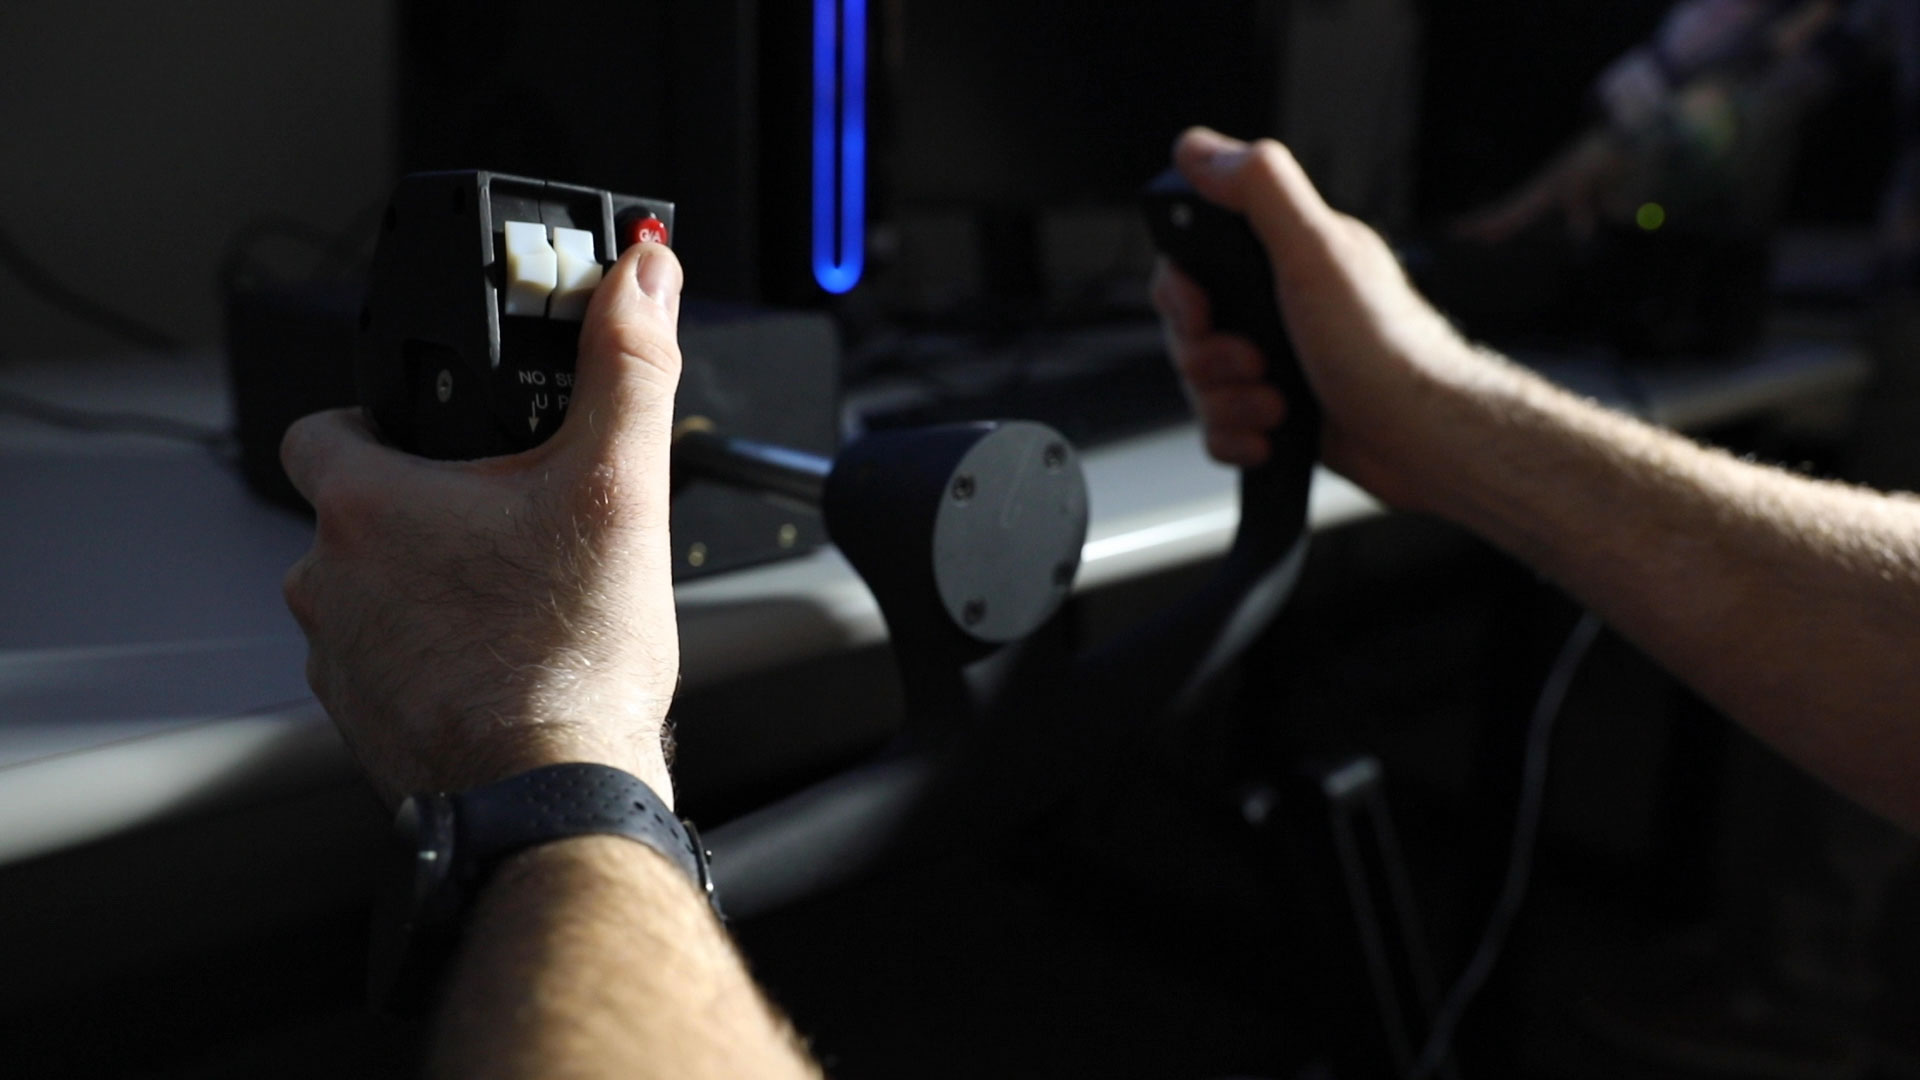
148	667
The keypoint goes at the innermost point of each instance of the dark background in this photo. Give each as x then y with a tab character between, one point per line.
146	139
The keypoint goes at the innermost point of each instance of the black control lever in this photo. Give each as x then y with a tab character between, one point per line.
1217	248
1161	667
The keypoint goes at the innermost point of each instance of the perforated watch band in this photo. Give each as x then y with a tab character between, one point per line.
560	801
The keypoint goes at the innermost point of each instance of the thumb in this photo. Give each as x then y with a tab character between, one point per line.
629	360
1261	180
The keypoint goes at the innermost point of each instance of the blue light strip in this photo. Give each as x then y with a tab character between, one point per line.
839	149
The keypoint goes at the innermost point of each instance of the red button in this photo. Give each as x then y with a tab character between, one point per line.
646	230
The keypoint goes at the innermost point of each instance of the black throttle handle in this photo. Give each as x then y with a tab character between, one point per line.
1159	669
1217	248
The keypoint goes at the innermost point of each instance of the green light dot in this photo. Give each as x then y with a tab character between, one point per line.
1650	216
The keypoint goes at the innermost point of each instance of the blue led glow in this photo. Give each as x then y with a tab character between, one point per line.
839	142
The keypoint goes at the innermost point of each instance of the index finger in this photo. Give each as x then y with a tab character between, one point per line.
1179	299
1261	180
319	445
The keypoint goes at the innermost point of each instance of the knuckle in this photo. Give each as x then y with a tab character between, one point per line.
1221	444
645	352
1239	360
1221	362
1222	407
295	440
297	587
1193	366
317	677
346	512
1162	290
1239	411
305	443
1271	160
1264	406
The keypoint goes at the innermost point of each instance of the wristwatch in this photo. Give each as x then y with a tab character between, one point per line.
451	843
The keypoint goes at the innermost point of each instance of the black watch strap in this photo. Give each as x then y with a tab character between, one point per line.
556	802
453	843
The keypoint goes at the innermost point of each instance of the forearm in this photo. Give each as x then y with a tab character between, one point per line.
596	957
1793	604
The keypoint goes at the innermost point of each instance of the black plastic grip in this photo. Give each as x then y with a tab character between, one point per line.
1217	248
1159	669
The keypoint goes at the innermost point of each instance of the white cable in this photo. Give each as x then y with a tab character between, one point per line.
1526	829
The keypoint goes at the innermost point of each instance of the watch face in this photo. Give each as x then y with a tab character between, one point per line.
416	907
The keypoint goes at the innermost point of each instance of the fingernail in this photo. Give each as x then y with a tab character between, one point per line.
1221	153
659	278
1226	160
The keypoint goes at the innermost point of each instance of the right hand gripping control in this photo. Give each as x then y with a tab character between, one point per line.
1217	248
1159	669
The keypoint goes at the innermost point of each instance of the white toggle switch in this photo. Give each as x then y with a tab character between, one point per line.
579	273
532	268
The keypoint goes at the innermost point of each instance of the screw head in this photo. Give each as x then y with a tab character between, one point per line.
1054	456
963	487
443	386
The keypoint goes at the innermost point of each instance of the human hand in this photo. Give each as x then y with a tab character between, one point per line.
1368	344
1578	184
470	620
